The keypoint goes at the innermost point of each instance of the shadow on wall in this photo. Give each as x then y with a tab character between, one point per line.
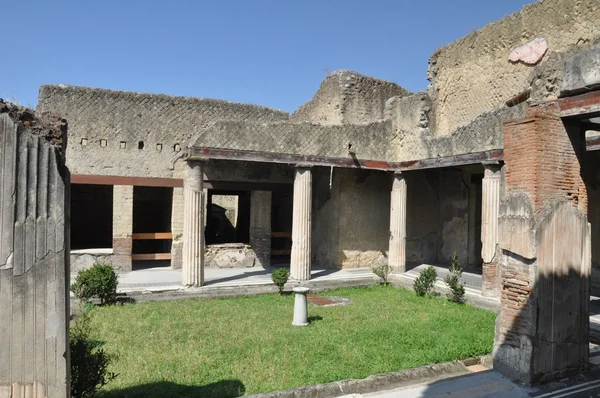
220	389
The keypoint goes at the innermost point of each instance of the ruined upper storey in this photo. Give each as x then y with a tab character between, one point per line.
474	74
347	97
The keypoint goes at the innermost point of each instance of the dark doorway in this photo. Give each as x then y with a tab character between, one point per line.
152	207
91	216
228	217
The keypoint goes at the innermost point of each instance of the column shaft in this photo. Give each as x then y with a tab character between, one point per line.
193	225
397	253
301	225
490	210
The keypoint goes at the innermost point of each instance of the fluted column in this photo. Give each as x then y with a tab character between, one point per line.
397	254
490	210
193	225
301	224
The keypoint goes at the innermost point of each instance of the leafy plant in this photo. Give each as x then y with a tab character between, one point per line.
383	271
452	280
89	362
424	283
280	276
98	281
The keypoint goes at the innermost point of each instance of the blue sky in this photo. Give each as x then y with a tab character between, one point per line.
268	52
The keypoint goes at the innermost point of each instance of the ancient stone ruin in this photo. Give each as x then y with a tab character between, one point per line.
497	161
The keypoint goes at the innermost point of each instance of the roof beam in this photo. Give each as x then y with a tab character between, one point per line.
581	106
350	162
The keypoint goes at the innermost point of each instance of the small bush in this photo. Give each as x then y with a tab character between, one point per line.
89	362
99	281
383	271
280	277
452	280
423	285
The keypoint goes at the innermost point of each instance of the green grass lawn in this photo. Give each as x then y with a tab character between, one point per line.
246	345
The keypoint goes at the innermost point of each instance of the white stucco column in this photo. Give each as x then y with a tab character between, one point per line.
397	253
193	225
301	224
490	210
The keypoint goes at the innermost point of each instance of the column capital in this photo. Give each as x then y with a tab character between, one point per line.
303	166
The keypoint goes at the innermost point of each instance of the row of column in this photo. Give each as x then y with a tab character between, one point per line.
300	263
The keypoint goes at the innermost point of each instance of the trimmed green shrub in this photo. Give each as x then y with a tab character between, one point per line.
280	276
89	362
423	285
383	271
452	280
98	281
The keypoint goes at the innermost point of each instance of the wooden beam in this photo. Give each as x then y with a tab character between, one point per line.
151	256
247	186
592	144
583	105
152	236
119	180
350	162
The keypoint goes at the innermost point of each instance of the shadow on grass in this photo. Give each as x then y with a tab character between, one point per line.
220	389
314	318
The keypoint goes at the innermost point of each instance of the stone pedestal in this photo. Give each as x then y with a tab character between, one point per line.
301	224
193	225
260	226
490	210
397	253
300	306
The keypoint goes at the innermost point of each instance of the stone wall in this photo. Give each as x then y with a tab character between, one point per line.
351	217
34	355
133	134
347	97
473	75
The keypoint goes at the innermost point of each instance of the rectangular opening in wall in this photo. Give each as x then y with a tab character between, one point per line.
91	216
228	218
152	226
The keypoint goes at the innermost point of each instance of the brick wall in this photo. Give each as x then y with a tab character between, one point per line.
541	329
541	159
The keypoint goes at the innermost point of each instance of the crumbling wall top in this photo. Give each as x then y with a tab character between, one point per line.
53	127
347	97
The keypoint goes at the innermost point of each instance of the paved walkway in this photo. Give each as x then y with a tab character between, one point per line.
482	384
167	279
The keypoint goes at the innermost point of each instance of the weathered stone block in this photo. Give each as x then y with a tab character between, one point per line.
582	72
230	255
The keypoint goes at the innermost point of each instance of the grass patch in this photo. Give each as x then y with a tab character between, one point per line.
246	345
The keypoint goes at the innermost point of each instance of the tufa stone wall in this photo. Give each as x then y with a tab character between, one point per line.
34	224
473	75
351	217
347	97
133	134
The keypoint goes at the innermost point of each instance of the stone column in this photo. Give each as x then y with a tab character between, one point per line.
260	226
193	225
34	255
397	253
301	224
490	211
122	227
